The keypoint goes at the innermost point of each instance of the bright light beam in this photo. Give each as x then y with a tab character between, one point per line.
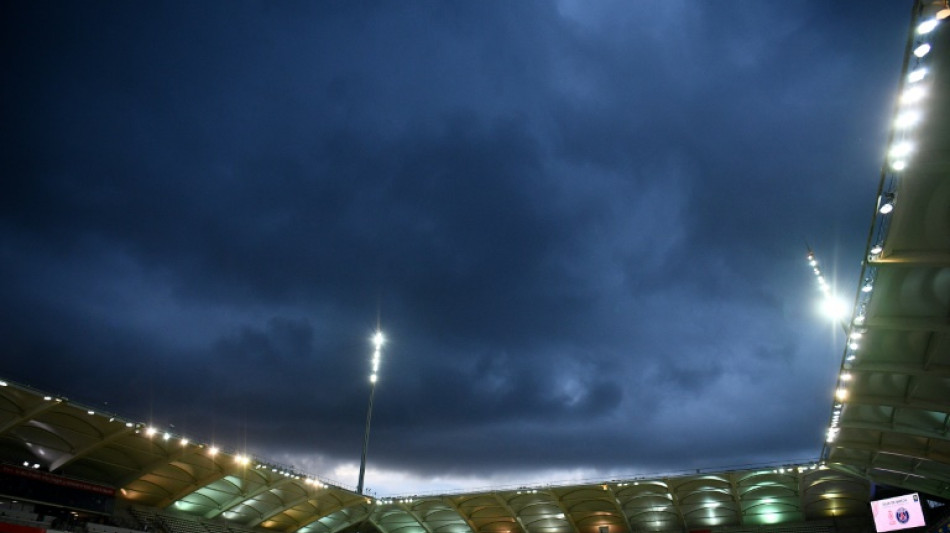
833	306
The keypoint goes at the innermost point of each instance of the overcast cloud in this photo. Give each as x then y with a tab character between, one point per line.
581	225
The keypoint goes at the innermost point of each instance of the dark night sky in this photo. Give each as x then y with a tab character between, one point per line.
581	225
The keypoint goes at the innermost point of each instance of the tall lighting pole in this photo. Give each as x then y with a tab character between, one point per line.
378	343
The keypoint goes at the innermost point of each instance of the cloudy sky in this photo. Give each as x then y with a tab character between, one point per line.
581	225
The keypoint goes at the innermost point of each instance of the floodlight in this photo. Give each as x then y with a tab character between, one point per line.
835	308
922	50
887	203
927	26
917	75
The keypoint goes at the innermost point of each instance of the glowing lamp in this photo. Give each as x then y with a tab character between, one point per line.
922	50
927	26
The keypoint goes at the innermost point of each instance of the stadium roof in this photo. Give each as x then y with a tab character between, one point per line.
891	420
890	423
159	470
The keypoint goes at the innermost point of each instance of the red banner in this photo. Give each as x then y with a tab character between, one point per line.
14	528
46	477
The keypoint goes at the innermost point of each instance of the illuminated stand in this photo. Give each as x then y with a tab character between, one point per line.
378	343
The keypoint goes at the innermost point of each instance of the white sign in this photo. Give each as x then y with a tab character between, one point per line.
900	512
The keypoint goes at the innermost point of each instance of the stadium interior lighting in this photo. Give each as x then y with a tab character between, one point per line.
887	203
913	95
907	119
927	26
922	50
902	149
917	75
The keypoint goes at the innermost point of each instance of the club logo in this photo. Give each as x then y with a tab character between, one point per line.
902	515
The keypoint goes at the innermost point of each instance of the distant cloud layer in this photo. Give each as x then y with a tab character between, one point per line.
580	225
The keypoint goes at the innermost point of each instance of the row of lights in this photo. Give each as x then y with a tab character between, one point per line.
151	431
377	354
834	307
898	159
801	469
288	473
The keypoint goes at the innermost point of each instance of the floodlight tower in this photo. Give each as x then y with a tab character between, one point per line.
378	343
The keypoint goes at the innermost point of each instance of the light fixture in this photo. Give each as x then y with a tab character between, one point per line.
835	308
867	287
917	75
927	26
922	50
877	249
907	119
887	203
901	149
378	340
943	13
913	95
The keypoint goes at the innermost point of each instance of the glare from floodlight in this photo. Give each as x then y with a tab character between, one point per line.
917	75
913	95
922	50
901	149
927	26
834	307
907	119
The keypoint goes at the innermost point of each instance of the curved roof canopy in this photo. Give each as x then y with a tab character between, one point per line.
891	417
155	470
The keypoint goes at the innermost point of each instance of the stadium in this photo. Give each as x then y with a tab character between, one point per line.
67	466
